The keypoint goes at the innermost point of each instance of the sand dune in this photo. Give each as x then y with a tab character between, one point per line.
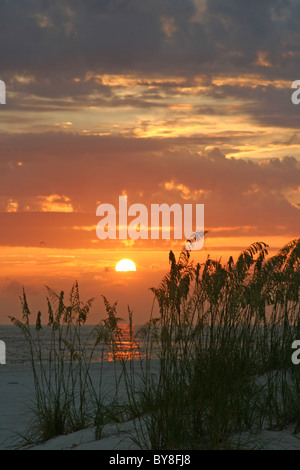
16	390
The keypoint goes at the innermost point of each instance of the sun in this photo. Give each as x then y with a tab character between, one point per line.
125	265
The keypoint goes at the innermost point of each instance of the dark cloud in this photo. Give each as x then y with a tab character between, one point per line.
48	44
63	39
12	286
79	172
53	59
266	105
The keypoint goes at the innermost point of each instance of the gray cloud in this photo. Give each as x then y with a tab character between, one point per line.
83	170
54	42
66	38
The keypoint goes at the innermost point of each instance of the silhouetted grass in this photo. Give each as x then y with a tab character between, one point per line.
223	342
215	363
66	396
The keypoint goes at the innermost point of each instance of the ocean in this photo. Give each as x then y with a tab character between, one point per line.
17	348
17	392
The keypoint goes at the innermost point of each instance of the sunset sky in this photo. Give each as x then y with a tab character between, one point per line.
165	101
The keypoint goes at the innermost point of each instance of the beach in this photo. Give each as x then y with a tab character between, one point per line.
17	394
17	399
154	387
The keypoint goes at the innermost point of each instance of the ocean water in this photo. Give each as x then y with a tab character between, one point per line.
17	392
18	352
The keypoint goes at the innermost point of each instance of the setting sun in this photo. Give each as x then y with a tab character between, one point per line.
125	265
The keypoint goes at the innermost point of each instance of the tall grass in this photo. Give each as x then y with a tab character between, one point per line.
222	341
66	398
215	361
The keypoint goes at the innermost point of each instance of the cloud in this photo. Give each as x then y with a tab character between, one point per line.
12	286
61	40
67	56
79	172
156	87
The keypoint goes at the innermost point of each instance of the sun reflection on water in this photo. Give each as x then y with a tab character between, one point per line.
126	347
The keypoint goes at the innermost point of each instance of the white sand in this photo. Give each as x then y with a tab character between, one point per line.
16	395
16	401
114	437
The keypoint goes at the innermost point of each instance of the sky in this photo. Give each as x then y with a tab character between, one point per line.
164	101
